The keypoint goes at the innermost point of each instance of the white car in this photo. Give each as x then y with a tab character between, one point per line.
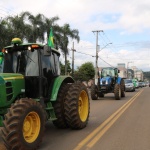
129	86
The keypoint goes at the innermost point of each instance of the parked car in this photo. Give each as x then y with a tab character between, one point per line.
140	84
129	86
144	84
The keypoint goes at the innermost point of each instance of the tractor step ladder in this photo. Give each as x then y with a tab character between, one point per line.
51	112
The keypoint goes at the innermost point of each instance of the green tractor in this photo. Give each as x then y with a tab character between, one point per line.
109	82
33	92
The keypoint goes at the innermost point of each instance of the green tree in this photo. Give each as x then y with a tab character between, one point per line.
62	68
85	72
6	33
37	27
67	33
18	25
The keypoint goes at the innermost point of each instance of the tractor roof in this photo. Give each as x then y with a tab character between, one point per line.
18	45
26	46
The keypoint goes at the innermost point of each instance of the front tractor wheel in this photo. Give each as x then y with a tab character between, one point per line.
94	92
24	125
77	106
117	91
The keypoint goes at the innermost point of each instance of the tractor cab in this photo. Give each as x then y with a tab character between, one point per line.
108	79
37	63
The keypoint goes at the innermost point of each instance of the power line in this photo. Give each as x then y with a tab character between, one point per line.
84	53
106	62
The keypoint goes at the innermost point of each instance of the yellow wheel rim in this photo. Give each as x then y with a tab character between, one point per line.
31	127
83	105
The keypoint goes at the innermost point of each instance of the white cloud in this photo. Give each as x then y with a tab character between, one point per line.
121	18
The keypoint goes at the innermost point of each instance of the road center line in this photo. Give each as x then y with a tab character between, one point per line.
99	128
105	129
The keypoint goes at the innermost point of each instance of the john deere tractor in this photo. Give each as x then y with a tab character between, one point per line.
109	82
33	92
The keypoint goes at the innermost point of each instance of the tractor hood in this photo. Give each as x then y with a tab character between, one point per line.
10	76
11	86
105	80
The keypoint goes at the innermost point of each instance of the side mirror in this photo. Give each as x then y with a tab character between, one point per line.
47	50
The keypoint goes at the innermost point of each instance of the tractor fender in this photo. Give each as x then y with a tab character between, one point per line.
118	80
58	81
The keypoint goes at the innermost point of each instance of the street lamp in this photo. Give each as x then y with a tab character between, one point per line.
104	47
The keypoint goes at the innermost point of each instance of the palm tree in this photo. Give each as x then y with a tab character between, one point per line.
36	28
20	27
6	33
67	33
17	26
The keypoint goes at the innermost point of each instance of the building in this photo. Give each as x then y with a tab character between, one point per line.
123	70
139	75
130	74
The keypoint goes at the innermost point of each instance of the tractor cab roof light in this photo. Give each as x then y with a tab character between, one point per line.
29	48
16	41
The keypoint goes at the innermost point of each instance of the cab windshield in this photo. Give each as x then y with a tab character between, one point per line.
21	62
108	72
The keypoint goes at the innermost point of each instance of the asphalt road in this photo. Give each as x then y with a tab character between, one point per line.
113	125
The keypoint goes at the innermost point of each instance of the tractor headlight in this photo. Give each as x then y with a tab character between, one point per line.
106	82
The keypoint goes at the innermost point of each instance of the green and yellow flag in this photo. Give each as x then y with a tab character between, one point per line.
1	58
50	39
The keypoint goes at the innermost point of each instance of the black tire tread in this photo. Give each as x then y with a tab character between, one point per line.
94	94
59	107
116	91
12	124
122	84
71	106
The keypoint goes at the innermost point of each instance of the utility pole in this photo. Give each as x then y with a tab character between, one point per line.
96	61
73	50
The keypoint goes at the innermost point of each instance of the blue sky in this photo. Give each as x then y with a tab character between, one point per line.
126	25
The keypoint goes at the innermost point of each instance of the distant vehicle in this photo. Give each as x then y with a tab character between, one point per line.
129	86
109	82
144	84
140	84
136	83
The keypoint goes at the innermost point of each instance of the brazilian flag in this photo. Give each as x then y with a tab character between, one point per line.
1	57
50	39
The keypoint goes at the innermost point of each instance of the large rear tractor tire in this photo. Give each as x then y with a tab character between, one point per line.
59	107
24	125
94	92
117	91
77	106
122	88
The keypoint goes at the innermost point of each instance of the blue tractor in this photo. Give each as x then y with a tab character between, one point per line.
108	82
